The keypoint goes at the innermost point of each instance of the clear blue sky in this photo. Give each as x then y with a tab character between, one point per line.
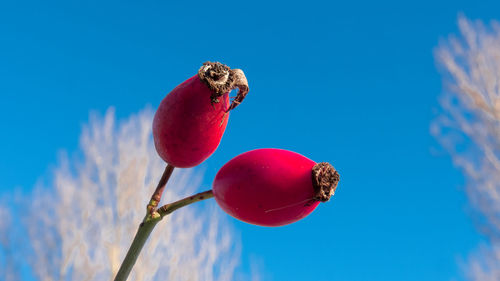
351	83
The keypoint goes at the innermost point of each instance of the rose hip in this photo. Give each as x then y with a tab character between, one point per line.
191	119
273	187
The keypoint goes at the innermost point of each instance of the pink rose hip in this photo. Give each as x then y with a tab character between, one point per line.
273	187
191	119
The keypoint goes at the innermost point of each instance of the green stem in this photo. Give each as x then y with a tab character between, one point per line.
147	227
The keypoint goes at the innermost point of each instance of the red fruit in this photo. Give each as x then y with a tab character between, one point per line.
191	119
273	187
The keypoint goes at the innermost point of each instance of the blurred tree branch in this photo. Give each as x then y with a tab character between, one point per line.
79	225
469	129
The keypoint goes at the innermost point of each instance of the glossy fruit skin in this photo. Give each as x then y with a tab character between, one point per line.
188	127
267	187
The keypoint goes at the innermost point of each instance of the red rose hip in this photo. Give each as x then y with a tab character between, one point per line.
191	119
273	187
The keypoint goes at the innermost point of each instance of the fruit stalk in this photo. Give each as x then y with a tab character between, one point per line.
169	208
147	226
156	198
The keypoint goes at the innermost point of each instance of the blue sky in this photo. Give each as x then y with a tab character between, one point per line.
354	84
